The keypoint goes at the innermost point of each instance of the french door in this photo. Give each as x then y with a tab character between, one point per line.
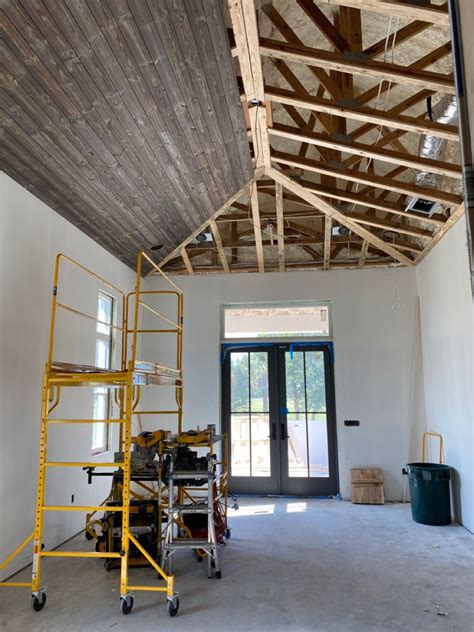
278	409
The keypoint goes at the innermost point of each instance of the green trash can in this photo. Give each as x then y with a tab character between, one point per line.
429	492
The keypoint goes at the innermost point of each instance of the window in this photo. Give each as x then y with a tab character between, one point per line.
290	320
103	360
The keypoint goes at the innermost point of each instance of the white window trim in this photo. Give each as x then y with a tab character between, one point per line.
111	338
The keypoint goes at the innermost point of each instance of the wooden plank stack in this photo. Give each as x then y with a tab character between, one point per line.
367	486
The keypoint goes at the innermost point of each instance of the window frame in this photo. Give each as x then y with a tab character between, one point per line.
110	339
272	305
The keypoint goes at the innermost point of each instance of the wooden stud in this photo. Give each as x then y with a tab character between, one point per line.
327	241
186	261
280	226
363	254
218	241
257	227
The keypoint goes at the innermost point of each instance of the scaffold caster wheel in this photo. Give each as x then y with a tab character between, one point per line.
126	604
173	606
227	534
218	575
38	601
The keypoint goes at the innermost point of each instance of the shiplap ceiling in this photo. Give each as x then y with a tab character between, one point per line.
122	115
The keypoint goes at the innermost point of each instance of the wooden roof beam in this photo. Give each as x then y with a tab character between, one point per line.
357	65
368	151
337	215
372	180
223	209
429	13
427	60
327	28
291	37
397	38
244	24
365	114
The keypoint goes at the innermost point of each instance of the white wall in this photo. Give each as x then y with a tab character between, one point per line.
447	326
31	234
376	369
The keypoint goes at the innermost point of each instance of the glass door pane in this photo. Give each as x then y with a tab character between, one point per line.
250	414
306	419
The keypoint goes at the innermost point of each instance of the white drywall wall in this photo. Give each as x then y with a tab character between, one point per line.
31	234
447	333
376	370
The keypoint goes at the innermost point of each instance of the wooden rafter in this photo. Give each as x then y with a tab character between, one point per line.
368	151
224	208
380	70
399	186
365	114
382	231
244	23
431	13
336	214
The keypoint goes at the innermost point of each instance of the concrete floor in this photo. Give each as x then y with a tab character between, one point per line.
292	565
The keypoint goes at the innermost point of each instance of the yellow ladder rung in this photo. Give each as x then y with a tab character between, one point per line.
76	554
86	421
80	508
151	588
81	464
16	584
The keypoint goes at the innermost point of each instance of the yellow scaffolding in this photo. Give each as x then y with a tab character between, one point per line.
126	381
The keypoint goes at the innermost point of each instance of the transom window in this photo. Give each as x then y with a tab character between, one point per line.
289	320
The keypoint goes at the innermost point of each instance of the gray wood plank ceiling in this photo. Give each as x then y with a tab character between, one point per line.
122	115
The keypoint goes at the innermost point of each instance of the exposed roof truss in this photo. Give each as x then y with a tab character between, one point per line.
335	106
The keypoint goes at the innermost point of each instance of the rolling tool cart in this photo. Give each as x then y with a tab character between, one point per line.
177	530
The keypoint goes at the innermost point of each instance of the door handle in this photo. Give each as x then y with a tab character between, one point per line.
274	432
283	432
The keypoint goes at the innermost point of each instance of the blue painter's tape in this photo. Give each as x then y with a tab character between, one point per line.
238	345
329	345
